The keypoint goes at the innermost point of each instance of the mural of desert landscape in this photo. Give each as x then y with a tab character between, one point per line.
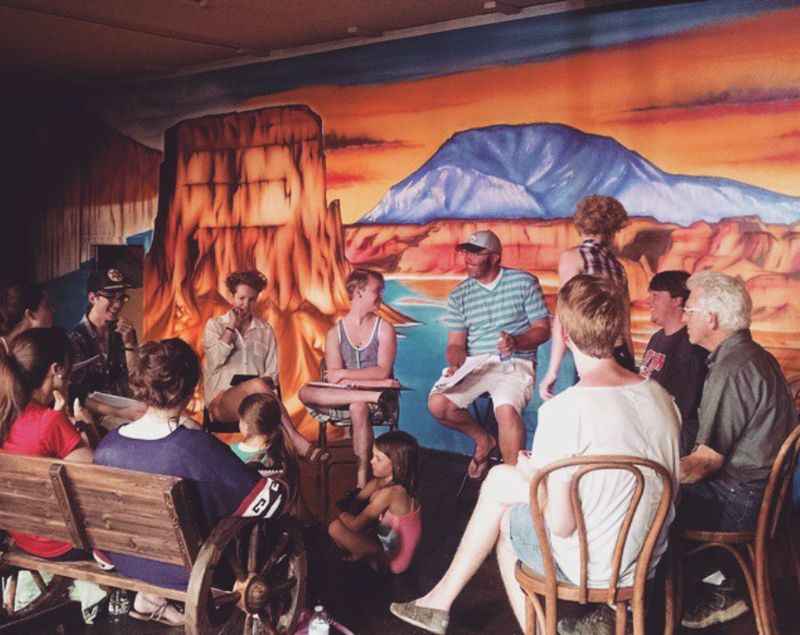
386	156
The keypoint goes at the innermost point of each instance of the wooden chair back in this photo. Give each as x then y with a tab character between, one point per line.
587	465
777	495
92	506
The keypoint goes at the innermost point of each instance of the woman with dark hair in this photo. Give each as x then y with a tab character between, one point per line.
241	358
32	309
37	367
164	442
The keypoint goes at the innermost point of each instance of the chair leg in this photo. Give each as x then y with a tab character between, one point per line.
621	620
673	589
764	600
530	617
322	440
746	569
794	548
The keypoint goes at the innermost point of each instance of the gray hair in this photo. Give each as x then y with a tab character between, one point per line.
725	296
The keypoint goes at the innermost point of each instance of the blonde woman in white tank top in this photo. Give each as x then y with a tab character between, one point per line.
359	352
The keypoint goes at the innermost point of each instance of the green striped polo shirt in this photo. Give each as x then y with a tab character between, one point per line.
512	305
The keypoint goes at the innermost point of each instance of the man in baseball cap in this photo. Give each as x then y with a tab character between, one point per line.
104	346
499	314
482	240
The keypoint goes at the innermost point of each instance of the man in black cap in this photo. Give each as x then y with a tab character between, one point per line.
670	358
104	345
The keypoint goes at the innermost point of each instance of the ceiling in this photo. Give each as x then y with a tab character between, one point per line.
119	40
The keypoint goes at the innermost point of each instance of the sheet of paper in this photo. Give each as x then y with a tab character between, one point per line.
114	401
325	384
85	362
470	365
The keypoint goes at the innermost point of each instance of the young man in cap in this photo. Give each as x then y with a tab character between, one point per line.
498	313
670	358
104	346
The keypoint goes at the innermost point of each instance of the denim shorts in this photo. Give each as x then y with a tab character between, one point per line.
525	542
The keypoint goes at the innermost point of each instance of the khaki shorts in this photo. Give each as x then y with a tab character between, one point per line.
508	383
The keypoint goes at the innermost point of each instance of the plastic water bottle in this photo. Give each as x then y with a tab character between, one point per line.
118	605
505	360
320	624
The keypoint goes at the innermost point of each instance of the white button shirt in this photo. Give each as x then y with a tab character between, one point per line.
253	353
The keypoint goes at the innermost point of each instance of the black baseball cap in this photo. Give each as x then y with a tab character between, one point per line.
107	281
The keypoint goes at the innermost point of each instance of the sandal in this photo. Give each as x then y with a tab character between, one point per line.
166	613
316	455
482	465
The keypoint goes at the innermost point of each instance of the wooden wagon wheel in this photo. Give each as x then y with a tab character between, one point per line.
249	577
50	593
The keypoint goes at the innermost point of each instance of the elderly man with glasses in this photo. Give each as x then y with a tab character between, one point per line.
745	414
104	346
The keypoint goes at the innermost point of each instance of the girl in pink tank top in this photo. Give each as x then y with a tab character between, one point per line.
389	528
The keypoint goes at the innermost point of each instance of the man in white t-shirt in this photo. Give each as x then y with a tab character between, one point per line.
610	411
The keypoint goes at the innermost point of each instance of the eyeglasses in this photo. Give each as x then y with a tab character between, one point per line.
123	298
691	309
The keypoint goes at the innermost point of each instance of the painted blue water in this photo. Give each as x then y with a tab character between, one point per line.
420	359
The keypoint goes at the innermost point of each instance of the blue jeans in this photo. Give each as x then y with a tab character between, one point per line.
525	542
714	505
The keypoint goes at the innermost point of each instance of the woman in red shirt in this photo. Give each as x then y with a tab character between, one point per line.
36	368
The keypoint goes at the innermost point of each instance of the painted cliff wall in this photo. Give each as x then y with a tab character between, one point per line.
247	191
412	143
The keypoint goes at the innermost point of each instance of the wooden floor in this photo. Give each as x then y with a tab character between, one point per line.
359	598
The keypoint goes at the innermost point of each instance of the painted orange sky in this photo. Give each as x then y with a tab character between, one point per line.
721	101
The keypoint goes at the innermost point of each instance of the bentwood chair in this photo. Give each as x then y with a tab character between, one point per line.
750	549
541	617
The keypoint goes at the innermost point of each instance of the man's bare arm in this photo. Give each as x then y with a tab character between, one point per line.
537	333
456	351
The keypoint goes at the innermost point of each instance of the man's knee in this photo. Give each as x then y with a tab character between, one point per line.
499	477
335	529
507	417
258	385
440	406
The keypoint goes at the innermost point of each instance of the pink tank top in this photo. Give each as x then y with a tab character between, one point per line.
400	536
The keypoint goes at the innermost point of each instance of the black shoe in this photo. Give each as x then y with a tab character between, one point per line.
714	605
601	621
389	405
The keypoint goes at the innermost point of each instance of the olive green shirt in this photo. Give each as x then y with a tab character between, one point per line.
747	409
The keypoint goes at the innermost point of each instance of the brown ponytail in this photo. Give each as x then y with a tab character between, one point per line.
25	368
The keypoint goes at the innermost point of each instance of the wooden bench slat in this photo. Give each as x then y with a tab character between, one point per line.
92	499
28	507
88	570
152	548
53	529
131	522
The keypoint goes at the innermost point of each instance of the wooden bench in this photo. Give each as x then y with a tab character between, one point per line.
246	571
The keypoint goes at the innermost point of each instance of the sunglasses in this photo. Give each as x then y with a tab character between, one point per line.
113	297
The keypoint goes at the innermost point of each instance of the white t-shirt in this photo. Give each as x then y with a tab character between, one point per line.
640	420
